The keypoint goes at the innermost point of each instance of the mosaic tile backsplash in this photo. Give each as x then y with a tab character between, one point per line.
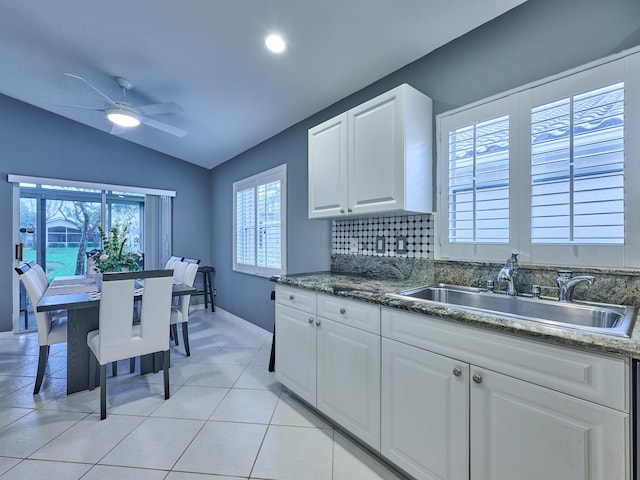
409	236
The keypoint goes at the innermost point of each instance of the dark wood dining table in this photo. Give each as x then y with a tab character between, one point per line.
79	296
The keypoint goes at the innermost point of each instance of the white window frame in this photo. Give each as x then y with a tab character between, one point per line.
278	173
517	104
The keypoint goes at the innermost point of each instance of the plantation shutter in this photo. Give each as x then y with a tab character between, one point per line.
245	226
478	199
577	168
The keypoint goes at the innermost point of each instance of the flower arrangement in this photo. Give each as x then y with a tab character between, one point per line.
115	255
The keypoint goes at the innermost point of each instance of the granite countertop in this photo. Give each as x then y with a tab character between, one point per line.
376	291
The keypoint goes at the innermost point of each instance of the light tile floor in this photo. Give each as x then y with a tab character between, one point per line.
227	418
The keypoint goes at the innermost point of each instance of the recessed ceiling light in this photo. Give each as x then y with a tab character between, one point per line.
275	43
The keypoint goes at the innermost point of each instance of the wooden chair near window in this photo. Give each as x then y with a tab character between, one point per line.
117	338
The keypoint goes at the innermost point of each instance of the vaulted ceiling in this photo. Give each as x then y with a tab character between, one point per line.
209	57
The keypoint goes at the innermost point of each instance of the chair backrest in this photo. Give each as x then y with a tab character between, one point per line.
188	278
171	262
35	290
178	270
42	275
191	260
116	313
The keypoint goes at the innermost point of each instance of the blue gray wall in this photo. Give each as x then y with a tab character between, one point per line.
38	143
535	40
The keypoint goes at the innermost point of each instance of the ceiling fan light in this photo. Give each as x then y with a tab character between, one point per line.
275	43
123	118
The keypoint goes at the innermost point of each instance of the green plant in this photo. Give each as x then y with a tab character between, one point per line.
115	255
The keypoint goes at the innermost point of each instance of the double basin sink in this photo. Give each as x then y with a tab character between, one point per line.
595	317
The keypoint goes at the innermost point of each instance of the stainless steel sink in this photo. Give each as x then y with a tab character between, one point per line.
603	318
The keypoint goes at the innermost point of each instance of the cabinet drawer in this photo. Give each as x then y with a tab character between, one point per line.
592	376
299	298
364	316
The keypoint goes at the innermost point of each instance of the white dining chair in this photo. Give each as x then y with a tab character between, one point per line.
41	275
179	269
117	338
50	331
171	262
180	312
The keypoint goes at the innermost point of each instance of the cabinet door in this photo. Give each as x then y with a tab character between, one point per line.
296	351
328	168
349	379
376	155
425	419
520	430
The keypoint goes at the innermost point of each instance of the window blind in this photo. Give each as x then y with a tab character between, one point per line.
269	218
577	168
479	182
245	226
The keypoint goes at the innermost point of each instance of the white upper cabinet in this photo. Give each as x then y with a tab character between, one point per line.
375	158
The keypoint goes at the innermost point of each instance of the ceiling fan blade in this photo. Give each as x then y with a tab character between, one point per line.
92	87
117	130
178	132
86	107
157	108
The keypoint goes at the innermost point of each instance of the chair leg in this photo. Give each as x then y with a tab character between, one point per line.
185	338
42	364
165	367
103	391
93	366
132	364
114	369
174	334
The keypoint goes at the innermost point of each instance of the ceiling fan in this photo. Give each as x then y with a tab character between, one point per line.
125	115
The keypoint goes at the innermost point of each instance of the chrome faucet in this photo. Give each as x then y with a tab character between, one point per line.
508	272
567	282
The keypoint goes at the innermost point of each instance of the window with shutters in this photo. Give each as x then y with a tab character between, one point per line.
549	170
259	229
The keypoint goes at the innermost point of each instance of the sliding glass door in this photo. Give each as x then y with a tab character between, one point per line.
59	226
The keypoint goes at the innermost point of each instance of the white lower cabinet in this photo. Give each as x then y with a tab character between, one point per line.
448	418
444	401
331	365
348	380
425	414
296	351
520	430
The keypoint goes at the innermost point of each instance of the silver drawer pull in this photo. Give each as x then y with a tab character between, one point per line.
457	372
342	311
317	323
477	378
291	297
310	320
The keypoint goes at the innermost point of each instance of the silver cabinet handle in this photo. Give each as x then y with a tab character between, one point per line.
342	311
457	372
349	210
342	210
317	323
477	378
310	320
290	297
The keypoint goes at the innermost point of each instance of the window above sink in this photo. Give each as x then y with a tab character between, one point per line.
545	170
